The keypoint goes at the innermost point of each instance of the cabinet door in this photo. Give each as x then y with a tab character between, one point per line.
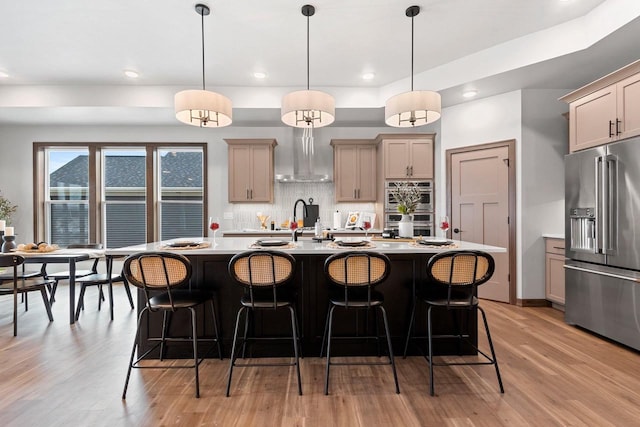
367	174
239	173
555	278
421	159
628	91
261	174
592	119
345	172
396	159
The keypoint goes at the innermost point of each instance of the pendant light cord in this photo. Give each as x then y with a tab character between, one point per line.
412	54
202	31
307	52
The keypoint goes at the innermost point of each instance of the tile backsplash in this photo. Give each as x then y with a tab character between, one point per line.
285	195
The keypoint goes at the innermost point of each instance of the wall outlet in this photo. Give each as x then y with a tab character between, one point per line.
228	215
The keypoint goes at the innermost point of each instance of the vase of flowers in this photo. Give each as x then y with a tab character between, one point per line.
407	196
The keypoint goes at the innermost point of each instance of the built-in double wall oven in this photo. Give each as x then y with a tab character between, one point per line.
422	217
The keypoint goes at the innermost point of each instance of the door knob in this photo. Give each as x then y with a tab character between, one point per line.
456	230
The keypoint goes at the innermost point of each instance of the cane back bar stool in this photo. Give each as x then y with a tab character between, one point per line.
264	274
356	273
459	273
162	275
18	284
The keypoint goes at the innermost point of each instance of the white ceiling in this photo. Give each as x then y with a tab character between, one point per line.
65	59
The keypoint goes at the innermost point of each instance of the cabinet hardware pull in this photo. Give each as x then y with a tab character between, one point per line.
406	171
618	123
610	131
558	247
411	169
247	194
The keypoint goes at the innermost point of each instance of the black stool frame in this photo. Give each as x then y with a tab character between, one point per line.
177	299
351	301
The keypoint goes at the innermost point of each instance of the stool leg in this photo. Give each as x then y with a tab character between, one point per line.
406	343
294	327
133	353
324	335
493	353
80	301
194	338
128	290
431	387
215	327
232	359
165	315
393	363
45	300
246	332
326	378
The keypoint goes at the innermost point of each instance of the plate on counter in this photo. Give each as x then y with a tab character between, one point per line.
351	243
434	242
183	244
272	242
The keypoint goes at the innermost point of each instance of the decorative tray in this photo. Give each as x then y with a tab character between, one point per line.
272	242
29	248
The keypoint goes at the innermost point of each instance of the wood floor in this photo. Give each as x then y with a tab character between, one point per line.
57	374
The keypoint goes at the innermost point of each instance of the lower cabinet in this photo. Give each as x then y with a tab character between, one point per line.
554	261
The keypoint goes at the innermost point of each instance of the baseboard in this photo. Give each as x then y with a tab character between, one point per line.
533	303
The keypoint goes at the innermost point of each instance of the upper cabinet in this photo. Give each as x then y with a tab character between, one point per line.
407	157
606	110
251	170
354	170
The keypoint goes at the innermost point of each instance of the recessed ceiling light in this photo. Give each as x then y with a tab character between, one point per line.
260	75
368	76
3	74
470	93
131	74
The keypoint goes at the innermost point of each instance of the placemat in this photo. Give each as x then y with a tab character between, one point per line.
334	245
289	245
418	245
201	245
394	239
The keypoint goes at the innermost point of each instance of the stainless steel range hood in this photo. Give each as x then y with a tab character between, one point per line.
309	163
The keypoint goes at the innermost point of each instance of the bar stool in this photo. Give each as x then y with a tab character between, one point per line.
355	274
461	272
162	273
263	274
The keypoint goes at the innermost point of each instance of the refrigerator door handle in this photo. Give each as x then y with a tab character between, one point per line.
629	278
609	202
600	215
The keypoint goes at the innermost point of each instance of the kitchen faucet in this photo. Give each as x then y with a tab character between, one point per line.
304	208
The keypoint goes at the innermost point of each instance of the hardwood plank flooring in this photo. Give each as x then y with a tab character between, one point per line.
55	374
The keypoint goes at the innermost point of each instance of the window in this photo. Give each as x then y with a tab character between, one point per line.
119	194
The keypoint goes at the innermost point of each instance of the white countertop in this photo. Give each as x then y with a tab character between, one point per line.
304	246
553	236
310	231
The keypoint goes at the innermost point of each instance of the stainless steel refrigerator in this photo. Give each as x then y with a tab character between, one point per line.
602	232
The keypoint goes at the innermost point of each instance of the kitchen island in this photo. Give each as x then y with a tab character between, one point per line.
408	272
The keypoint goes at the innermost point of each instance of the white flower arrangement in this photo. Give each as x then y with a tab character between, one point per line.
407	195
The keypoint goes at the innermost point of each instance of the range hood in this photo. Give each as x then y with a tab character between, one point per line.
312	161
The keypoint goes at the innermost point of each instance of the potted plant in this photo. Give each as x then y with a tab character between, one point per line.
7	209
407	195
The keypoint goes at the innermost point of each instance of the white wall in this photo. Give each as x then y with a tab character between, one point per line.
545	136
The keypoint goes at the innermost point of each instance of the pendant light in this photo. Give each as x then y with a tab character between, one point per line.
415	108
202	107
308	108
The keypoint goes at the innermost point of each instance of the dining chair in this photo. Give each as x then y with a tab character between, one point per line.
264	275
64	275
458	273
99	280
164	277
353	276
22	285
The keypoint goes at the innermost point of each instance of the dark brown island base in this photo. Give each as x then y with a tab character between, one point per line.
408	272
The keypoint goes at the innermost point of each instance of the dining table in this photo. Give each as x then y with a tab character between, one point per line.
63	256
